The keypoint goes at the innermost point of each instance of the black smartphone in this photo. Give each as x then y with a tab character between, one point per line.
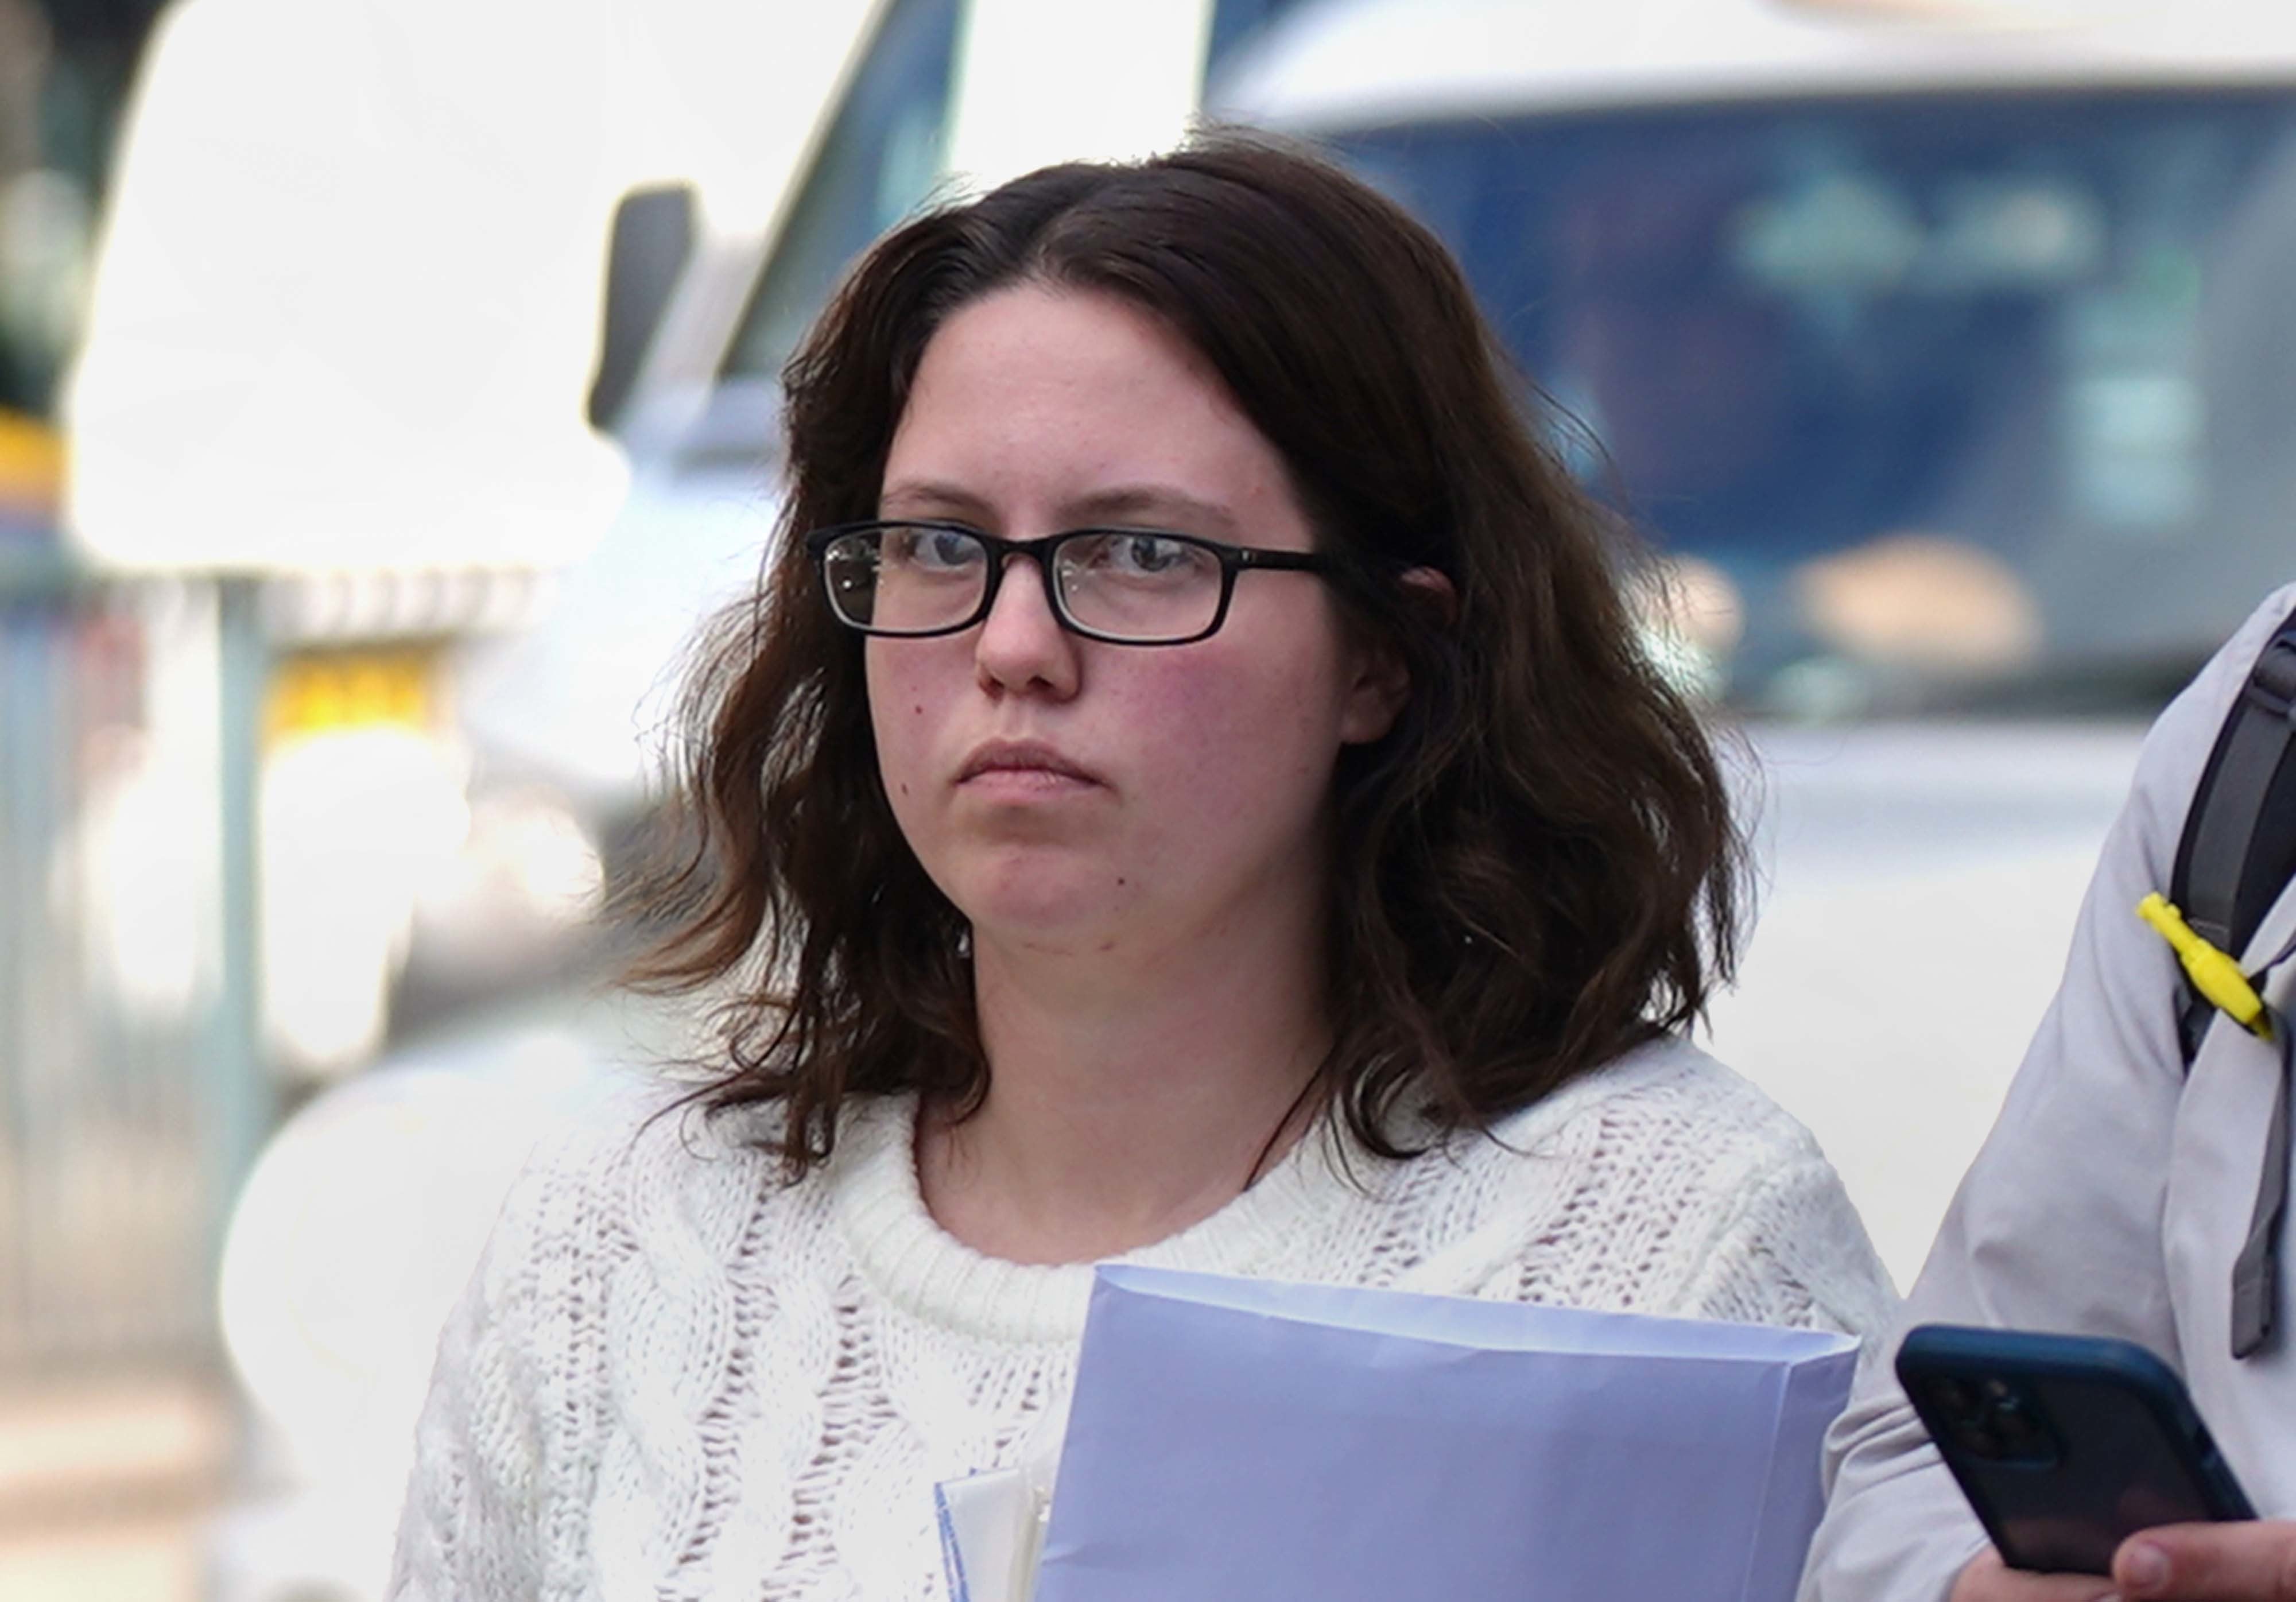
2064	1444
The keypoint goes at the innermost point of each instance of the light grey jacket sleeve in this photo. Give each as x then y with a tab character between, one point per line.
2058	1224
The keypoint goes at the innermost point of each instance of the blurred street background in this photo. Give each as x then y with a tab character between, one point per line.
388	388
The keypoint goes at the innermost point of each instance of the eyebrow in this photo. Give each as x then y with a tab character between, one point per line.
1122	502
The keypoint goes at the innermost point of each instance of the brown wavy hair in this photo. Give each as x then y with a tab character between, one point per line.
1534	869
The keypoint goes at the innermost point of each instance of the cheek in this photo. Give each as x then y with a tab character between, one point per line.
1239	748
902	717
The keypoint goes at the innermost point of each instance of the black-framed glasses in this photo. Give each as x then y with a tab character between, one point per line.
1128	587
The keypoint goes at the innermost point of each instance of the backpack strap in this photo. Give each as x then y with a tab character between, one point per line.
2238	850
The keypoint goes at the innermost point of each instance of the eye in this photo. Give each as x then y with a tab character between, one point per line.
932	550
1149	553
1139	556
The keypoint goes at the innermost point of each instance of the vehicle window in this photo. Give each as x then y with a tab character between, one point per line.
879	162
1236	22
1933	398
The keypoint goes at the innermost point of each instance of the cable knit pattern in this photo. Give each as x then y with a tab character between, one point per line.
673	1377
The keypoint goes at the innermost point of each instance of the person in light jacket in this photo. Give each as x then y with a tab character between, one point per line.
2110	1199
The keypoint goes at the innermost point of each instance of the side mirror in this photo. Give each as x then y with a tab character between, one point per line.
652	239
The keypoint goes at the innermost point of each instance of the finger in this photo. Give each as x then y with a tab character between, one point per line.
2249	1561
1988	1578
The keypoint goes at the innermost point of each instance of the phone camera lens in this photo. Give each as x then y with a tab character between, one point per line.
1976	1440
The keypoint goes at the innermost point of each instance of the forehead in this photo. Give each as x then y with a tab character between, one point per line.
1037	399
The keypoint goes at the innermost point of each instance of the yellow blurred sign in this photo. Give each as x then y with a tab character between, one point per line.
313	692
31	464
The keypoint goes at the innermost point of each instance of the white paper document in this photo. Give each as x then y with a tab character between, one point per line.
990	1525
1243	1440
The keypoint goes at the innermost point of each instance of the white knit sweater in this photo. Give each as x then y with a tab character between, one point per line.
673	1377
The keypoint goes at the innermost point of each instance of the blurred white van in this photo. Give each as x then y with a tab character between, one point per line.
1942	350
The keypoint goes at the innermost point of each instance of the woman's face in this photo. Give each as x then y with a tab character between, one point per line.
1078	796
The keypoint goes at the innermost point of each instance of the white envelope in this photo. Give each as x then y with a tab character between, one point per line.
989	1529
1243	1441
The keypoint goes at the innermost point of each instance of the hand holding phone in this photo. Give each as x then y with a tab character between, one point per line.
2065	1445
2227	1560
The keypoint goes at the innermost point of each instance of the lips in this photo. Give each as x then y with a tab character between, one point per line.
1026	758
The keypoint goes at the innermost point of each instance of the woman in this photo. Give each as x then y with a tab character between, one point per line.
1190	789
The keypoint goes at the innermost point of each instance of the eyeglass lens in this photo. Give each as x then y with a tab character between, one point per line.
1133	585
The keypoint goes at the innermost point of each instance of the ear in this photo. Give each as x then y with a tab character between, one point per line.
1381	684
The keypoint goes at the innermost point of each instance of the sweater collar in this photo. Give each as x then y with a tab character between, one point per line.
918	1266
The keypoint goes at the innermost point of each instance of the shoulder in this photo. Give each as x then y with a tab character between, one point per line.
2177	747
1688	1191
602	1287
2217	683
1667	1134
632	1167
1665	1113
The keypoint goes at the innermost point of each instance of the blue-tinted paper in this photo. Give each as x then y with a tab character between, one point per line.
1243	1441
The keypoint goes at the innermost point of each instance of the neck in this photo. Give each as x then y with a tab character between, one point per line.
1130	1097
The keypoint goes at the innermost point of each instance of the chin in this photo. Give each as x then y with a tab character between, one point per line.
1039	906
1044	923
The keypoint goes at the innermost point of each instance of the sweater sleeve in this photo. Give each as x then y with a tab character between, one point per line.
498	1454
2057	1225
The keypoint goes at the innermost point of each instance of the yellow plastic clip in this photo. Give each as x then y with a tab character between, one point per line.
2214	974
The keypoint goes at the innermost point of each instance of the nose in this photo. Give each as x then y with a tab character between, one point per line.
1022	645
